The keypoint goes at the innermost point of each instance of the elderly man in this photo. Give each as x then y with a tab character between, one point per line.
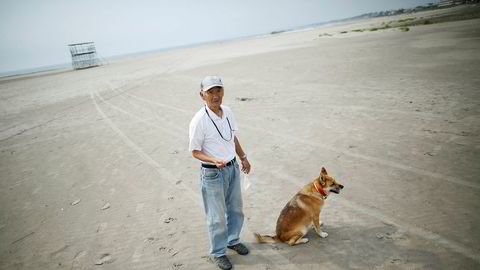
214	143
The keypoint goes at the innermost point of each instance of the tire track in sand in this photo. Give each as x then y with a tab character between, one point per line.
273	256
426	234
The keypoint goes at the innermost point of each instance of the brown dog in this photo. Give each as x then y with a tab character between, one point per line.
302	211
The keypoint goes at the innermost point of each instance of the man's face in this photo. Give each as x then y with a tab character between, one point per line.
213	97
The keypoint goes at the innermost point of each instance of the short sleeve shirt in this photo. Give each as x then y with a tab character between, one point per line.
204	136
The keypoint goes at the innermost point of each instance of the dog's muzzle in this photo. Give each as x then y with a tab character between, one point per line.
336	189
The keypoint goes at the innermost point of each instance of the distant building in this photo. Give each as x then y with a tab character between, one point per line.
84	55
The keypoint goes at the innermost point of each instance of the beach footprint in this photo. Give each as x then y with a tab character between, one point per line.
77	260
104	259
168	220
177	266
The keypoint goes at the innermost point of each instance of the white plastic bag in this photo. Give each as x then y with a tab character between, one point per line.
246	182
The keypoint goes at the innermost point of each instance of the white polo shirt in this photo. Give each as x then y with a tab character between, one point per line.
204	136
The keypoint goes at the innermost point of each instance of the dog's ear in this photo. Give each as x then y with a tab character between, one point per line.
322	180
323	172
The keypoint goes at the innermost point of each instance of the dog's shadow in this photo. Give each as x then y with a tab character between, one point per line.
353	247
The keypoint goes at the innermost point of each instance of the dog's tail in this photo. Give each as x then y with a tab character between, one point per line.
266	238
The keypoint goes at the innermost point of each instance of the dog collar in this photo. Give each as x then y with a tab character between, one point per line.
321	191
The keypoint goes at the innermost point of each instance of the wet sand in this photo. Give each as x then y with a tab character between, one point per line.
95	171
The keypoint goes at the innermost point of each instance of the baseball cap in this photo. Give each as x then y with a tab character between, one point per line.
210	82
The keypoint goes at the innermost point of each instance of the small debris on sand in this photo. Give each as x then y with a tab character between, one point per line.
244	99
75	202
104	259
106	206
168	220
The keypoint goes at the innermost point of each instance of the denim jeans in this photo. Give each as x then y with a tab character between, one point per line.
222	200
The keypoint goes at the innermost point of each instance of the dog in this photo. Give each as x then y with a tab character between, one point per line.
302	211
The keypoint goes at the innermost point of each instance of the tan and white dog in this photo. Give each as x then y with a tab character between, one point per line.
302	211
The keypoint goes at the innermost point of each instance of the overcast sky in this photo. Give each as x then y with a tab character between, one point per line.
35	33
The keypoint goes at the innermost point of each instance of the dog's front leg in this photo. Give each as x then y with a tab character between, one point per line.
316	224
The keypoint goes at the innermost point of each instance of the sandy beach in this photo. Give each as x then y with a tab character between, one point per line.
96	174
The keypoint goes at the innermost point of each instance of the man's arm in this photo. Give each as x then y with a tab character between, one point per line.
206	158
242	155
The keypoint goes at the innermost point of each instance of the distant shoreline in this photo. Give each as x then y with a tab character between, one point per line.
66	67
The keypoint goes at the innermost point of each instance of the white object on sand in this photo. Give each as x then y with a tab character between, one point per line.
75	202
106	206
246	182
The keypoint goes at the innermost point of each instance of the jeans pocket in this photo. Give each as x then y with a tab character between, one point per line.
210	174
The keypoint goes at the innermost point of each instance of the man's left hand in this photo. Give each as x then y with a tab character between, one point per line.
245	166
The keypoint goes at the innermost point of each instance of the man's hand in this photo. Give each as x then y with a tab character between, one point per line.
245	166
205	158
220	163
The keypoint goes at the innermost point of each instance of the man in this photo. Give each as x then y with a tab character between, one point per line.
214	143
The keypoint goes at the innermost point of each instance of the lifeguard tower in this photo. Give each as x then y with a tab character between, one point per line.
84	55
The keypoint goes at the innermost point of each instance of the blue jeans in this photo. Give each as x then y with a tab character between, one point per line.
222	200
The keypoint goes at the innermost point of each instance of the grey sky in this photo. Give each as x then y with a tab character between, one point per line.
36	32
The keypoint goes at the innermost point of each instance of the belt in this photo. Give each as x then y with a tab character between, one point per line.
211	166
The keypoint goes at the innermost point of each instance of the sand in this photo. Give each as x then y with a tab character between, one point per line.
96	174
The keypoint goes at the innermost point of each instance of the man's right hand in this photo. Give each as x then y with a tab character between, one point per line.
220	163
203	157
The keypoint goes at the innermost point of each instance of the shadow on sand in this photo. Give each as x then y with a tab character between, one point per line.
384	247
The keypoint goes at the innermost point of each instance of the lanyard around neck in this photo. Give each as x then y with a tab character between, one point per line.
230	127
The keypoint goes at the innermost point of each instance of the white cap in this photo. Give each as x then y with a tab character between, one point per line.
210	82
